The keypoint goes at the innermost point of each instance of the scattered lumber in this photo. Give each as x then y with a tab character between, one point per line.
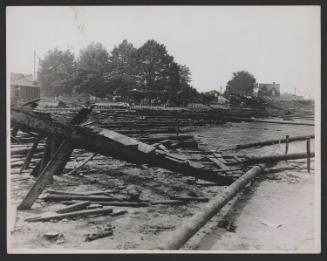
110	143
200	199
167	202
17	151
180	236
219	163
166	137
73	207
123	204
272	142
81	213
78	197
84	193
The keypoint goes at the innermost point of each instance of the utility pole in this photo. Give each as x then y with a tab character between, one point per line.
34	65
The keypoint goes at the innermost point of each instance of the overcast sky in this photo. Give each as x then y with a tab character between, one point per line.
280	44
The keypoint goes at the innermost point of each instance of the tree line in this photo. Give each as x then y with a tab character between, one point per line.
99	73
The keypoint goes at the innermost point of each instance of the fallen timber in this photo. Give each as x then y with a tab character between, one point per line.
180	236
80	213
272	142
105	142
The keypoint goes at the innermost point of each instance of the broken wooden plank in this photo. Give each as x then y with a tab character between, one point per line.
56	165
167	202
220	157
73	207
81	165
123	204
200	199
219	163
81	213
86	193
77	197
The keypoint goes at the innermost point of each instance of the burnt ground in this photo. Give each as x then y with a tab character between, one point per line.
277	213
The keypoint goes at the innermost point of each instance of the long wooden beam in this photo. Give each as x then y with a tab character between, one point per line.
274	158
184	232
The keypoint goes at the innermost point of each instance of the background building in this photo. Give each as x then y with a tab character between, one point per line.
268	89
23	87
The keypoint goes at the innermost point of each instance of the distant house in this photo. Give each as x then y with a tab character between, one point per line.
23	87
268	89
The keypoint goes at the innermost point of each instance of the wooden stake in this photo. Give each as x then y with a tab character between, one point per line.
286	144
308	155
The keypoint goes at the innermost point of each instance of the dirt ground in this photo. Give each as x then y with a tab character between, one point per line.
276	214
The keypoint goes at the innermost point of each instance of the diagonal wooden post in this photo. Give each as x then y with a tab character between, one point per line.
54	166
30	154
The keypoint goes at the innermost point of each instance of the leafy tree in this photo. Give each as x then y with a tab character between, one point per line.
91	70
179	78
242	83
122	75
153	66
56	73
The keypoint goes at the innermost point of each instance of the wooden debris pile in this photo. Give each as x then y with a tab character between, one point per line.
48	145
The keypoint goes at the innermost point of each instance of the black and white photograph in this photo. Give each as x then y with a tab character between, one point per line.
163	129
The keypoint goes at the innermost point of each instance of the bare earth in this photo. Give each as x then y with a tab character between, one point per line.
276	214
